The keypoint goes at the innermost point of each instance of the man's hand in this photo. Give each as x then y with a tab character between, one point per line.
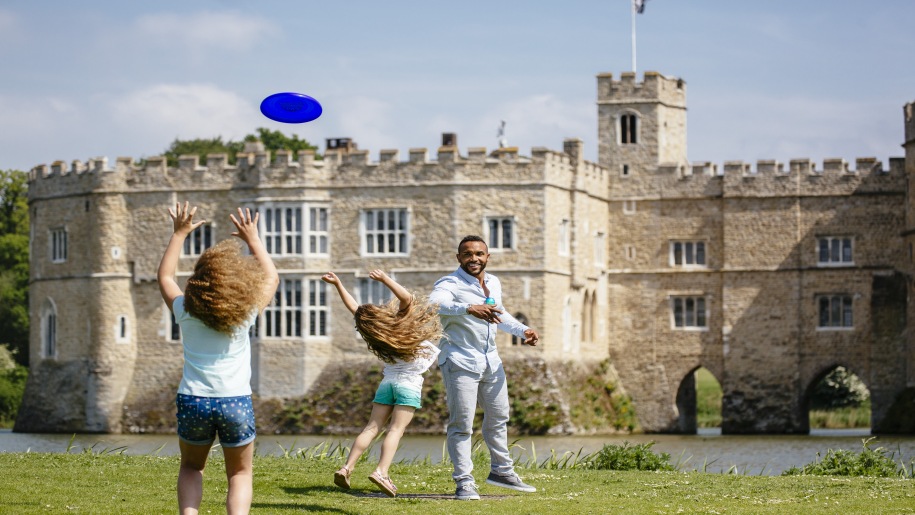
531	337
485	312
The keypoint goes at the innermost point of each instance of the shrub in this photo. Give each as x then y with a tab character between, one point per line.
869	462
12	384
629	457
839	389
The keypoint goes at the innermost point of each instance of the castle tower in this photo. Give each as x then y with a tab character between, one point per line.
84	324
909	147
640	124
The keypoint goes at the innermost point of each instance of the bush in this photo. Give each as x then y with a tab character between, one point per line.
12	385
839	389
628	457
869	462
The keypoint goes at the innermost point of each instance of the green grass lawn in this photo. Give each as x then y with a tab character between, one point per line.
114	483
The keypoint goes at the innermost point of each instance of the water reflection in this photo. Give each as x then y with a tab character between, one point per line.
709	450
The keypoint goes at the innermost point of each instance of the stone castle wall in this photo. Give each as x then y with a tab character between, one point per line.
590	266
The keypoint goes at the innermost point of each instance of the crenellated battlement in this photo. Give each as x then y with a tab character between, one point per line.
339	167
654	87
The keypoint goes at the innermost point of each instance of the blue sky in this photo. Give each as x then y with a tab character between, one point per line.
773	79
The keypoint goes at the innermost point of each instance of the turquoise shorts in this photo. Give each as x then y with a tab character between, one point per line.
396	394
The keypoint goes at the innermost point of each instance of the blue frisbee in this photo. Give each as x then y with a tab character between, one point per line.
291	108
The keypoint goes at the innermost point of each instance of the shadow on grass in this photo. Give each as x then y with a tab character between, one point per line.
366	493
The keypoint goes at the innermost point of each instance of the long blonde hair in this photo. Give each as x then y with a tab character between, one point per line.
221	293
392	333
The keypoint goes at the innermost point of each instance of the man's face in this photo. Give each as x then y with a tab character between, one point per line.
473	256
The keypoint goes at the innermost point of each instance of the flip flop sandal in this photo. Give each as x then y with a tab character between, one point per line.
341	478
384	484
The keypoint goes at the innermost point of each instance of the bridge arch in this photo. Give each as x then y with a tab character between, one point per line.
687	399
807	399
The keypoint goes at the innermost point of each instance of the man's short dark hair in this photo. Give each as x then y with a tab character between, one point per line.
471	237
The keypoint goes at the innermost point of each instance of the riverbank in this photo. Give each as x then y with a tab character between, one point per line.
709	451
90	482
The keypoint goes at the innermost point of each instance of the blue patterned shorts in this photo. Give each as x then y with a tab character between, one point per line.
200	419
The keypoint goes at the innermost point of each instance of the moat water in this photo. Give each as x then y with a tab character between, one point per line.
710	450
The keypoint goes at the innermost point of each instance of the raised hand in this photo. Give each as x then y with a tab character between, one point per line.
183	218
245	225
330	278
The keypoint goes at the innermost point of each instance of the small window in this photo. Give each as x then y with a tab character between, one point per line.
628	207
500	233
565	237
49	330
834	250
629	129
198	241
835	312
373	292
58	245
687	253
122	330
629	252
689	312
385	232
624	172
174	330
517	340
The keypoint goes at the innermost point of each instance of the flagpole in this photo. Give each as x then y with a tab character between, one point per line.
632	8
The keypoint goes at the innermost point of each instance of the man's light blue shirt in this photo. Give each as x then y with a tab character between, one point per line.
467	341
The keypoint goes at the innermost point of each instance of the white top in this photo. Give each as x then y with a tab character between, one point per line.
411	372
215	364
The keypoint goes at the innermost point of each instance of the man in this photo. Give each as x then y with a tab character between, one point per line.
470	306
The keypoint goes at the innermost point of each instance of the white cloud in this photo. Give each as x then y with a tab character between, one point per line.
228	30
163	112
369	120
539	121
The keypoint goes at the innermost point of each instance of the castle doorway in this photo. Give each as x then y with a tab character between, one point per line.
838	399
698	402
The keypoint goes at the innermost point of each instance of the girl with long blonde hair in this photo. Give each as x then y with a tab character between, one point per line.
400	333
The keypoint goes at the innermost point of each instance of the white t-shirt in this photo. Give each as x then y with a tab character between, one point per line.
215	364
411	372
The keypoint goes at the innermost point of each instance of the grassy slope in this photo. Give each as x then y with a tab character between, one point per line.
92	483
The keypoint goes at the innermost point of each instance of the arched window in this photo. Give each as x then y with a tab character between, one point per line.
49	330
629	129
516	340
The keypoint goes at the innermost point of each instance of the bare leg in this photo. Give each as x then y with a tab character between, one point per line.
240	473
190	476
400	419
380	414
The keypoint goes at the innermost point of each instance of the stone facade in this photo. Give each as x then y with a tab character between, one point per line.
596	261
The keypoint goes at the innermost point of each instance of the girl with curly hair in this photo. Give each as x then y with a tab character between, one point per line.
400	334
220	303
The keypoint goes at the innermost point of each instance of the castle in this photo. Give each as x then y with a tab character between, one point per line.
768	276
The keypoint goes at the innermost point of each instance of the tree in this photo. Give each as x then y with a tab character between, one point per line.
202	147
276	140
272	140
14	263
